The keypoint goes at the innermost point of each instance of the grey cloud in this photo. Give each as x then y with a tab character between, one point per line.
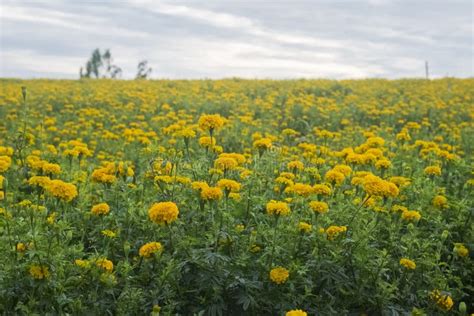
215	39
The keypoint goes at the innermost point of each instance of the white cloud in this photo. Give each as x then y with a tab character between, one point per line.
192	39
29	60
238	23
78	22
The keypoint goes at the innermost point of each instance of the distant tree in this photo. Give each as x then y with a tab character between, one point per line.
143	70
100	66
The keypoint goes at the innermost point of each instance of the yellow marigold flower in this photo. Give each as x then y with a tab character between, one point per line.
244	174
148	249
375	186
333	231
217	149
344	169
199	185
399	208
109	233
155	310
403	135
225	163
2	195
228	185
255	248
103	175
440	202
164	179
443	301
163	212
284	181
20	247
287	175
238	157
279	275
304	227
407	263
295	165
433	171
39	181
461	250
300	189
262	144
319	207
375	142
105	264
239	228
39	272
25	203
2	179
278	208
400	181
124	170
296	312
51	168
411	215
289	132
357	181
162	166
62	190
334	176
210	122
52	149
235	196
211	193
182	180
100	209
186	133
321	189
51	217
71	153
7	151
206	141
383	164
82	263
5	163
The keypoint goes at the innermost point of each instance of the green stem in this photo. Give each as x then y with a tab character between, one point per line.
273	242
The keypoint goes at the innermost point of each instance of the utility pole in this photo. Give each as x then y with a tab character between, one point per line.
427	71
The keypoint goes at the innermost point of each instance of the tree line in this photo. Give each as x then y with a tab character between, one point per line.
100	65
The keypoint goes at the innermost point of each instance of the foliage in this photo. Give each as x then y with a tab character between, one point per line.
100	66
129	197
143	70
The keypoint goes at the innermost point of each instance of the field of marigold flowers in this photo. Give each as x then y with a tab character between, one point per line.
237	197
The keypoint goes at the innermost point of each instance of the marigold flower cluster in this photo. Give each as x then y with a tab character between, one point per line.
62	190
375	186
407	263
278	208
443	301
319	206
163	212
333	231
279	275
100	209
148	249
210	122
39	272
296	312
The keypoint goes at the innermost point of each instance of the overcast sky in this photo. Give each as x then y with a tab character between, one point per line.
245	38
